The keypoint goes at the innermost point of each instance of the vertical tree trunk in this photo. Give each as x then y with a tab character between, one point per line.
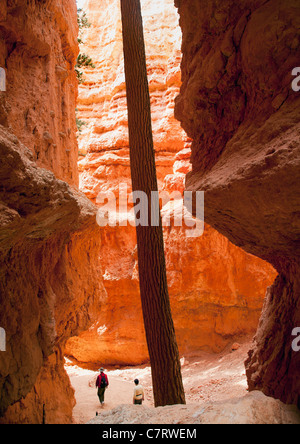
159	327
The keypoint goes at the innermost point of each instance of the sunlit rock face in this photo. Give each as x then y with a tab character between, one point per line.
238	105
50	285
216	289
102	98
38	50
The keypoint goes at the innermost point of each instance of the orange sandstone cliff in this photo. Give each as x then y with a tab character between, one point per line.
61	276
50	286
216	289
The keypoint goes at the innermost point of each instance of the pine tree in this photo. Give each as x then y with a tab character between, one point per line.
159	327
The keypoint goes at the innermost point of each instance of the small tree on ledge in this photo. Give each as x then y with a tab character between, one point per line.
83	60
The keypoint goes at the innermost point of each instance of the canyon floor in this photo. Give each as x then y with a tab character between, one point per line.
209	379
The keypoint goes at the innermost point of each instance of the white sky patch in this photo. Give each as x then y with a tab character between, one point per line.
81	3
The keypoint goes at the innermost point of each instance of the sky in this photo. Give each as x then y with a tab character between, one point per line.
80	3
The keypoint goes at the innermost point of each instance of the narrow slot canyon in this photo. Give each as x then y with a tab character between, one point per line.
225	121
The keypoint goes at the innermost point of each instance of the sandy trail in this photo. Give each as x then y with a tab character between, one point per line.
120	390
206	377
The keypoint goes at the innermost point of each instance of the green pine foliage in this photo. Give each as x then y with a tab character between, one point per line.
83	60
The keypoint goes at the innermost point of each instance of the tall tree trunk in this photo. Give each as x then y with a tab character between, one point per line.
159	327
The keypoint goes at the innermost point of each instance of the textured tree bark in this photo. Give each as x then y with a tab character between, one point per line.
159	327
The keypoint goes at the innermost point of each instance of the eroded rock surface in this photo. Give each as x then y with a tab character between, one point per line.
50	285
237	104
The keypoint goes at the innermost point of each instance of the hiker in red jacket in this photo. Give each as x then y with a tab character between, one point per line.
101	384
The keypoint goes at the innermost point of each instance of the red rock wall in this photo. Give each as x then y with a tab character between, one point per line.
237	104
38	49
273	365
50	288
40	406
216	289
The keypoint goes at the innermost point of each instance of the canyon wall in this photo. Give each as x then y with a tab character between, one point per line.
38	49
216	289
238	106
61	275
50	288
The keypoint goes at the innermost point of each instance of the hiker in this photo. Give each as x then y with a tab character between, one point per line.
101	384
138	394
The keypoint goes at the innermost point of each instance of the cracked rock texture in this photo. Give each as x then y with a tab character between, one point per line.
237	104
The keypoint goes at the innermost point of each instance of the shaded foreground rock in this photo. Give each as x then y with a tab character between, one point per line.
237	104
49	285
49	240
254	408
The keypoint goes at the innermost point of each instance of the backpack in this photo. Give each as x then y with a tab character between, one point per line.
103	382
